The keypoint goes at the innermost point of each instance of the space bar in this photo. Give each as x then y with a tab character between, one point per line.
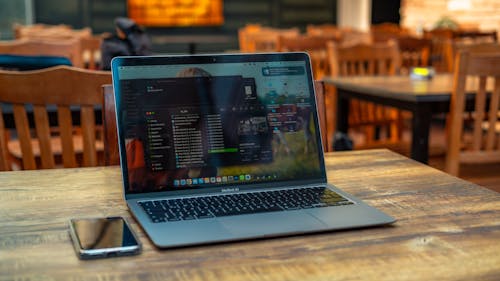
245	212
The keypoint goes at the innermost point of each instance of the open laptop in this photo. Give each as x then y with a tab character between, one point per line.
226	147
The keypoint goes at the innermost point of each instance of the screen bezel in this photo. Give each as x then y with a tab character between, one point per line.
212	59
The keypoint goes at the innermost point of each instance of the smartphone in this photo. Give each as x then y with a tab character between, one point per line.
103	237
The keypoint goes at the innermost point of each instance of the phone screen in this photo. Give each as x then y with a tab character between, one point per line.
101	237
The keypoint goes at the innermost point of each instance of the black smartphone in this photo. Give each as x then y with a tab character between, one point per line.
103	237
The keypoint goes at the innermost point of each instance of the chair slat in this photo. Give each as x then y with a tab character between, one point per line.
479	114
88	131
474	157
493	115
43	136
63	87
456	115
369	67
66	130
4	155
23	133
382	67
498	141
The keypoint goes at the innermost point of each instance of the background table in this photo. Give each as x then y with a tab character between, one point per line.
447	229
422	97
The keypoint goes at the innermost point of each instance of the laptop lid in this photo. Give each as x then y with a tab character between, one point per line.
213	123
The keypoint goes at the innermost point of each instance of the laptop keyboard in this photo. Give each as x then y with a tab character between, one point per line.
241	203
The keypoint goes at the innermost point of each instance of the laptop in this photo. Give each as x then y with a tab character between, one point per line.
225	147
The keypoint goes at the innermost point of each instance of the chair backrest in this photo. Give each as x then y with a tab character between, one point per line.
385	31
315	46
440	58
476	36
451	48
68	48
111	151
364	59
389	27
356	37
47	32
243	33
439	33
482	142
327	29
445	40
414	52
90	50
266	39
63	87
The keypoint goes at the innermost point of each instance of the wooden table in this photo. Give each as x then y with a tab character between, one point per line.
447	229
422	97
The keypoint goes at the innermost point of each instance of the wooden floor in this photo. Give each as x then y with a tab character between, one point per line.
487	175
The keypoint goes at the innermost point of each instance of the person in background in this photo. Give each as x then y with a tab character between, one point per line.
129	40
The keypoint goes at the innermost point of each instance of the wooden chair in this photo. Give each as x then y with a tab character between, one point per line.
481	144
266	39
445	40
243	33
414	52
475	35
46	32
374	59
62	87
355	37
329	30
389	27
452	47
90	50
364	59
386	31
68	48
441	58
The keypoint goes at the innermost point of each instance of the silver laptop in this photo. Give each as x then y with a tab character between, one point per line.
226	147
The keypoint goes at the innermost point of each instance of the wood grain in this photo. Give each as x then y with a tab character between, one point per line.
447	229
60	87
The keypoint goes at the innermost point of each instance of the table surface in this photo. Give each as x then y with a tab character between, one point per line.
403	88
447	229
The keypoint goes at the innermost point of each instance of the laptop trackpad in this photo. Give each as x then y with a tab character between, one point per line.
271	223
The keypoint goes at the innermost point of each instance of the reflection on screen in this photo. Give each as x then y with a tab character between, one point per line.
103	233
202	126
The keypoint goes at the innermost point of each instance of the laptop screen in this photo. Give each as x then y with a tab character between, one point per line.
191	122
